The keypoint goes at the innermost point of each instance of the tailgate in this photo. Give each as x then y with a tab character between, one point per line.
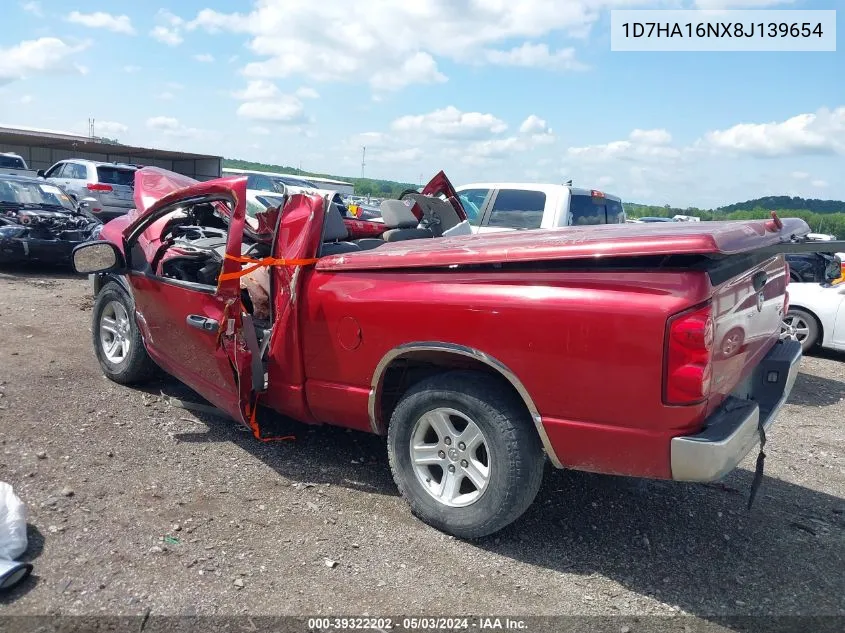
750	296
748	304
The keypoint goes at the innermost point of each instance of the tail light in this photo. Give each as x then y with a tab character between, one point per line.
689	356
97	186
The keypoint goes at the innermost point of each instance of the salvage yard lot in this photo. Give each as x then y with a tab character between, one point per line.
136	505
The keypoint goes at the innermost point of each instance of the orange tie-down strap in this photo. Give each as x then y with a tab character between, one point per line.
256	428
258	263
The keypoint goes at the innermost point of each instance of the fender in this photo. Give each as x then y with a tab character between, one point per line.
100	280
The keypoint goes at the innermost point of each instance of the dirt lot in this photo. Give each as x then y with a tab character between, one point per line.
136	506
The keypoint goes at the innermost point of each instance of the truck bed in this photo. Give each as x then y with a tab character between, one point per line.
599	241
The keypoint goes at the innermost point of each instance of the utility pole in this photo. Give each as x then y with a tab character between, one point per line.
91	128
363	160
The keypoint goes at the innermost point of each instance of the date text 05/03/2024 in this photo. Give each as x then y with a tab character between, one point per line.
722	29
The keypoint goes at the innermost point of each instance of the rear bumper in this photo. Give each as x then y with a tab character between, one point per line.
732	431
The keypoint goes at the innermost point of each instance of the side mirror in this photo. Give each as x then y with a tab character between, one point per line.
40	173
97	257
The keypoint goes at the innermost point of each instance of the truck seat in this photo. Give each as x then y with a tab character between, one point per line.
402	223
437	213
334	231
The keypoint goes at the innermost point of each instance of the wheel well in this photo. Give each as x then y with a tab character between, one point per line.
407	370
102	279
407	365
815	317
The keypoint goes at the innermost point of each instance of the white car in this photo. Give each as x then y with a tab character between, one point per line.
816	315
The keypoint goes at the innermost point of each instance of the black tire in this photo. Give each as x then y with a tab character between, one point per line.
516	457
137	367
813	328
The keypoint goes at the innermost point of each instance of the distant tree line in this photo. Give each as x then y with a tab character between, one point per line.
363	186
823	216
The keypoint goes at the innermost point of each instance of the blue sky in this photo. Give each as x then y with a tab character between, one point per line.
485	89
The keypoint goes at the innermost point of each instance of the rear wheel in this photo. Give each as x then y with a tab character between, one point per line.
801	326
117	340
464	453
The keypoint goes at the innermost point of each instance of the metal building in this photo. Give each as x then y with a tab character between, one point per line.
42	148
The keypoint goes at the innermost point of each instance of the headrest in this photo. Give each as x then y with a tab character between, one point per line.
398	214
334	228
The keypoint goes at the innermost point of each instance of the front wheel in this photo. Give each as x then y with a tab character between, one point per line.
464	453
117	340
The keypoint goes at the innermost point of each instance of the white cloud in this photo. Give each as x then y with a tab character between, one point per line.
397	43
651	137
534	132
34	8
640	145
166	35
109	128
263	101
419	68
205	58
258	90
535	56
307	93
44	55
532	125
169	28
821	132
170	126
450	134
25	99
102	20
131	68
821	184
284	109
259	130
450	122
165	96
800	175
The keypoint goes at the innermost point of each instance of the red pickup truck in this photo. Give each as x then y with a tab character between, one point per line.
647	351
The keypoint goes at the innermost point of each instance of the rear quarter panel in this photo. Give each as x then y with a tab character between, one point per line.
587	346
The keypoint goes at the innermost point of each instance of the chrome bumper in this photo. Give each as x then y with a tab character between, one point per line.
732	431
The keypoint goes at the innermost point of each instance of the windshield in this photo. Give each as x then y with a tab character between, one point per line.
11	162
584	209
259	204
33	193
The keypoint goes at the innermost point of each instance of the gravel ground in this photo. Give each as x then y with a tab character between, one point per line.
139	507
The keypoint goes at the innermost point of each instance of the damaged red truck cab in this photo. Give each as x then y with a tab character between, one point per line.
638	350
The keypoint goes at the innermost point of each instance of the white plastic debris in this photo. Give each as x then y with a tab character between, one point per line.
12	523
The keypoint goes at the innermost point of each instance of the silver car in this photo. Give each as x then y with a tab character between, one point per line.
107	187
